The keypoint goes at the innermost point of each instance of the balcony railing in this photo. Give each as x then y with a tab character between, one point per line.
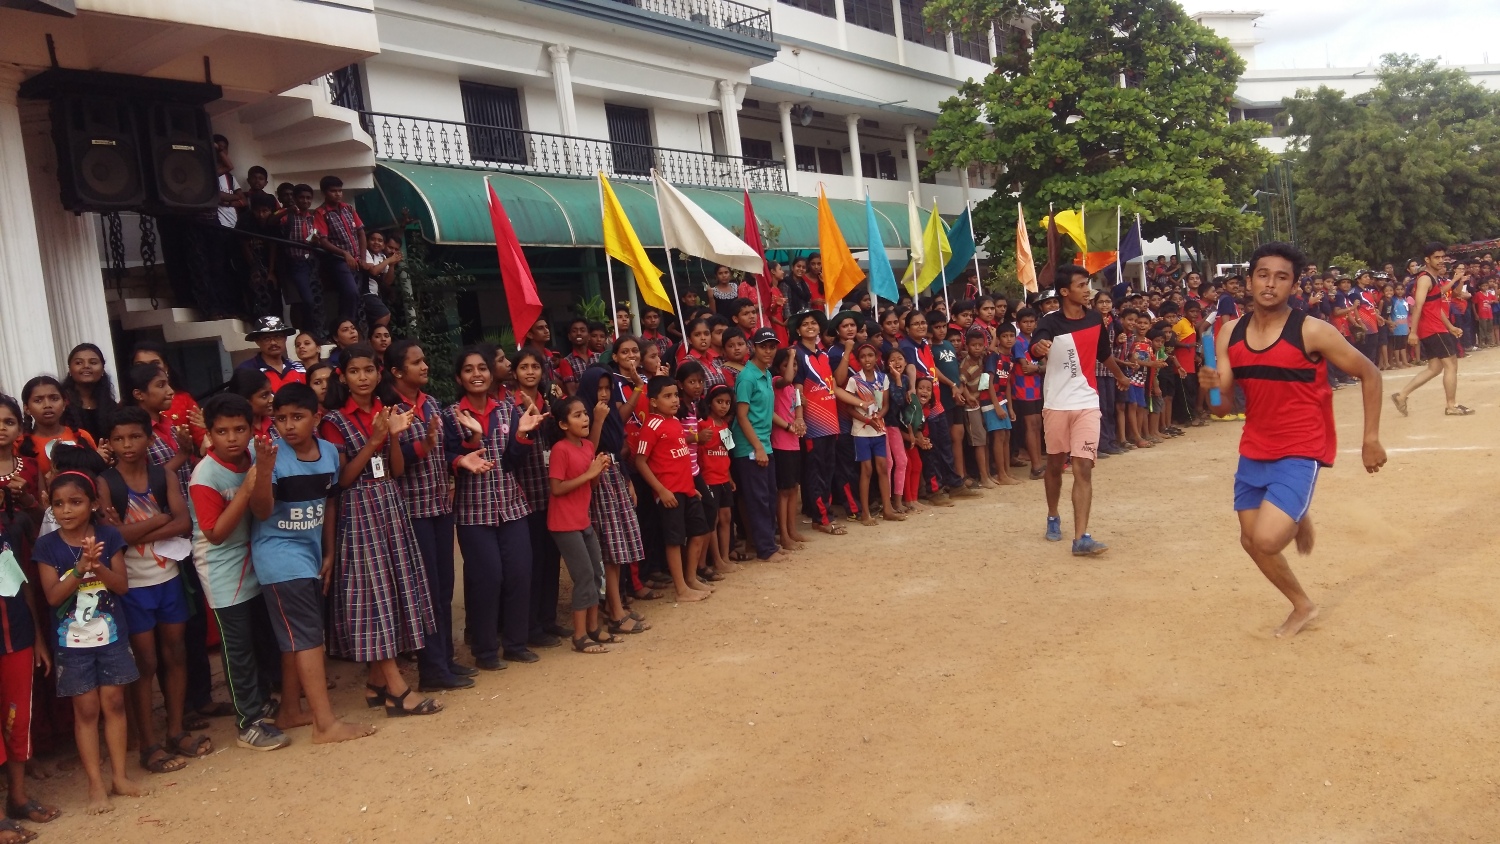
419	140
727	15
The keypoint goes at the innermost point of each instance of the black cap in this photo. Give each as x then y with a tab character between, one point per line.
764	335
269	325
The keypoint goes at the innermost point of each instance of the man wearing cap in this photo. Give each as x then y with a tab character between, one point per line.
750	453
270	333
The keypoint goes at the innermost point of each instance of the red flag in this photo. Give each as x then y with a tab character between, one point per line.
763	290
515	274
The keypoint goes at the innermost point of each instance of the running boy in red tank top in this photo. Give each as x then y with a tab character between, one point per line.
1279	358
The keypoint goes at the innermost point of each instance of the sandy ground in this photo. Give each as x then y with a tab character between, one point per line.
957	678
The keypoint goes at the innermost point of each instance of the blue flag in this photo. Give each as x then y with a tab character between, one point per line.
1132	247
882	277
961	238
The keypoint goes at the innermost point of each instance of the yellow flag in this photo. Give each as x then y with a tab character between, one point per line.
1070	223
935	251
840	272
621	244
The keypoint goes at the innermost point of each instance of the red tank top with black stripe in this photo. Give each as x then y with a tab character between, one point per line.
1288	402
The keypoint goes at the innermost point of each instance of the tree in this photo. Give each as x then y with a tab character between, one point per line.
1056	126
1415	160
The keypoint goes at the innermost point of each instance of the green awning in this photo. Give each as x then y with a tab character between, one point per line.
451	206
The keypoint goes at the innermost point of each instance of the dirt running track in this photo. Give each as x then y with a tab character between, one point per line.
959	679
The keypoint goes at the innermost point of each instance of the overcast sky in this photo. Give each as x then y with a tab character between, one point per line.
1354	33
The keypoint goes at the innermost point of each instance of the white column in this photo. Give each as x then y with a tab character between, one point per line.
26	345
729	105
838	12
562	84
900	33
788	146
994	44
963	179
914	169
952	57
859	171
68	249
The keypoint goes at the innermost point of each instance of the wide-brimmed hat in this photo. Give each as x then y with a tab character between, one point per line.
268	326
795	323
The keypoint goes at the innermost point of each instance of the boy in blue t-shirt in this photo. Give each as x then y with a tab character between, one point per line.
82	569
291	544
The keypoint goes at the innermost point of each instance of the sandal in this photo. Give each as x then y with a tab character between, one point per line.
649	595
394	707
1036	474
1457	410
32	811
740	555
197	750
584	646
832	529
710	575
636	626
165	763
1399	402
376	700
25	835
612	640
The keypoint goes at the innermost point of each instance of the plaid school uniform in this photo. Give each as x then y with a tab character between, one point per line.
424	484
614	518
380	604
532	471
574	365
163	447
496	496
340	224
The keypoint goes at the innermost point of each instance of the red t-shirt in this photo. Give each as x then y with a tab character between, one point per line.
570	511
713	457
665	448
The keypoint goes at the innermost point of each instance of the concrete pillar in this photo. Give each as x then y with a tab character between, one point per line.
900	33
952	57
788	146
729	105
859	171
994	44
838	12
914	169
963	179
68	250
26	344
562	84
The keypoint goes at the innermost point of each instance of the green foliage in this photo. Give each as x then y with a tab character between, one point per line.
1348	263
1415	160
1057	129
425	309
595	309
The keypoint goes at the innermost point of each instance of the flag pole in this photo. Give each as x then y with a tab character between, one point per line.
1119	266
870	282
978	282
671	273
609	264
1143	249
942	266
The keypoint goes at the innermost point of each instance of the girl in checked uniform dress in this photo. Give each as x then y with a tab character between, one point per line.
379	603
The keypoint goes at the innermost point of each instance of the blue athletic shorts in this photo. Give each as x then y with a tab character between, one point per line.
148	606
993	421
1136	396
1287	483
868	448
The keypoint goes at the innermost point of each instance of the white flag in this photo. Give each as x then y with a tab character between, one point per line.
914	229
686	227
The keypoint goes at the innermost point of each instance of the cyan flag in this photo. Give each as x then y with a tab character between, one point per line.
882	277
961	238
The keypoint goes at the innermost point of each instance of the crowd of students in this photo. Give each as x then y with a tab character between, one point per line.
318	508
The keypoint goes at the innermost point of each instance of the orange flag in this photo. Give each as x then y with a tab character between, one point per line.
840	273
1025	264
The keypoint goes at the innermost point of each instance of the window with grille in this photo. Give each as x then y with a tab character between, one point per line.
822	7
830	161
923	177
975	46
489	111
914	28
757	152
630	139
807	158
870	14
878	165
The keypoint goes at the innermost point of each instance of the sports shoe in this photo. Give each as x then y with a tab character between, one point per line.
964	492
1087	547
1054	530
262	735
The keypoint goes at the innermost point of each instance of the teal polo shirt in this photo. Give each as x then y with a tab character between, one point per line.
753	387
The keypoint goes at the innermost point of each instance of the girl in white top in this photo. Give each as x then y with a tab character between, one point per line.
873	389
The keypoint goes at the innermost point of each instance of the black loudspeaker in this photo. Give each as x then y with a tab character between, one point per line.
181	163
98	153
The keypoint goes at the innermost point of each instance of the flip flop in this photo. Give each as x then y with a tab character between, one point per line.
200	747
1457	410
164	764
31	811
25	834
1399	402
